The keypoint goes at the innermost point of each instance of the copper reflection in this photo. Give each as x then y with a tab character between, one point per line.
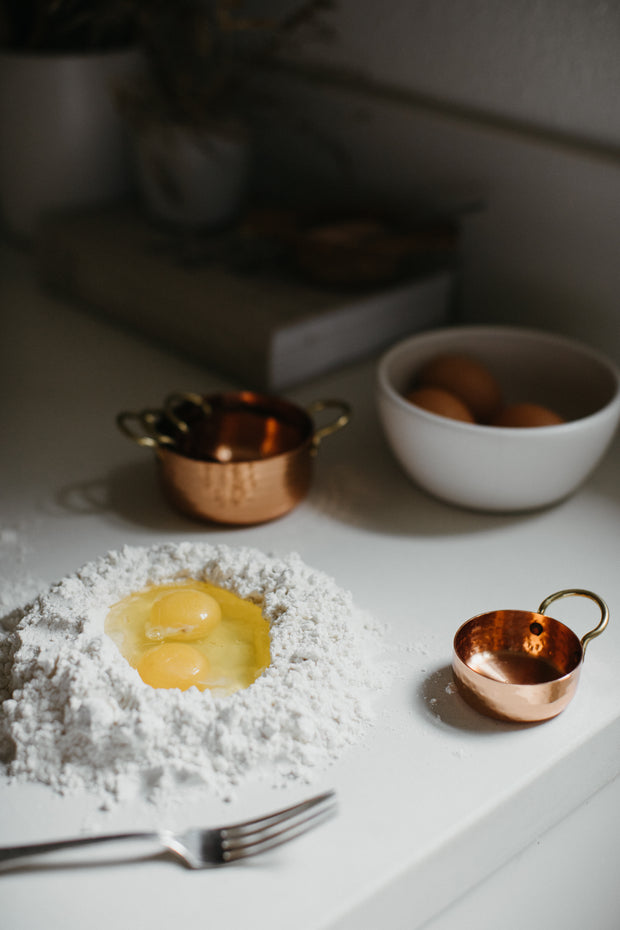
249	460
518	665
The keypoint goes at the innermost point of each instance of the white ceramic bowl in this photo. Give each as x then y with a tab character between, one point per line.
498	468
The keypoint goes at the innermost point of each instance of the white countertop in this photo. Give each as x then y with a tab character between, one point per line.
436	797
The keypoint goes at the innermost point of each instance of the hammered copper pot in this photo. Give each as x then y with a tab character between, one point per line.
237	457
519	665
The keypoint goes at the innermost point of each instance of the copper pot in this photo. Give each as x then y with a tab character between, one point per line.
237	457
521	666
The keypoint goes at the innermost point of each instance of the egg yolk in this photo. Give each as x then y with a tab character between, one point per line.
191	633
185	614
173	665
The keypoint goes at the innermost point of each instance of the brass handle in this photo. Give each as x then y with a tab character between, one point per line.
146	420
581	592
188	397
333	427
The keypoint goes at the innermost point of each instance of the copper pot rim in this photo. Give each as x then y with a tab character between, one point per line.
151	424
517	619
169	452
489	619
231	403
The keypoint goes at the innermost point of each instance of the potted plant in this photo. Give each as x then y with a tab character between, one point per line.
63	141
189	114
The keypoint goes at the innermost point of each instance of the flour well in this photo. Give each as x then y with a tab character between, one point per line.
76	715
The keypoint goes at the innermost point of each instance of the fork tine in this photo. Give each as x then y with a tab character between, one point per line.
244	849
267	843
251	826
265	833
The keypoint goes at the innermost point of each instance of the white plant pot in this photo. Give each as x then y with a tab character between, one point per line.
193	179
63	143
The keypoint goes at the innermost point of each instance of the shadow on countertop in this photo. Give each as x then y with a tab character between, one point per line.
377	496
441	703
130	492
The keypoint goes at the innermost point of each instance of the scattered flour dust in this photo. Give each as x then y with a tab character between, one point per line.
76	716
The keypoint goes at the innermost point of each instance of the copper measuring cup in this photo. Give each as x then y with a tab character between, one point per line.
521	666
237	457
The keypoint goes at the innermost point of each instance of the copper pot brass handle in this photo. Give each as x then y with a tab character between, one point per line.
141	428
581	592
184	397
345	415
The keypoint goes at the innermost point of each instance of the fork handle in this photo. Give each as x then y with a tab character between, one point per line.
36	849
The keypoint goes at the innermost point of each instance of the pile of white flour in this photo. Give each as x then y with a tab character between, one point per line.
75	714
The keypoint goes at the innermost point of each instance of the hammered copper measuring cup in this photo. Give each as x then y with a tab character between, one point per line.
522	666
237	457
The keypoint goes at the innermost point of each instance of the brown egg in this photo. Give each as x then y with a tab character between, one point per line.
527	415
441	402
468	379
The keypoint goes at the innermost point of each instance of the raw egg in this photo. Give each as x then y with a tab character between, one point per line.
526	415
183	614
173	665
466	378
191	633
441	402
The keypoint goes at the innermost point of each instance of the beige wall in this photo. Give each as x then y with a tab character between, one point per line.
514	104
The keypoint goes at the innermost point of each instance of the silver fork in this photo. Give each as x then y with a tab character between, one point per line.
205	848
